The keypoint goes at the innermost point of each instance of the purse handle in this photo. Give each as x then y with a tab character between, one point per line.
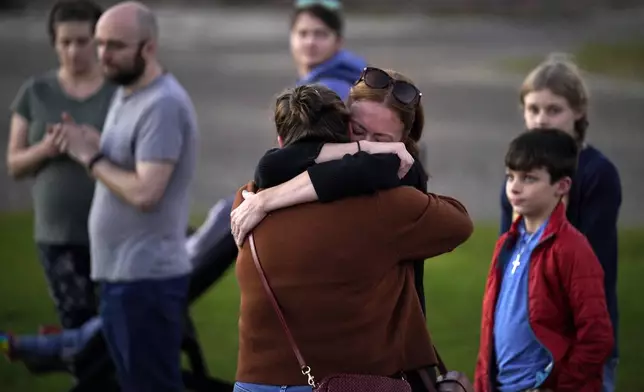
306	370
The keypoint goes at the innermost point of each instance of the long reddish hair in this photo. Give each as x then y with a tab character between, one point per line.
412	117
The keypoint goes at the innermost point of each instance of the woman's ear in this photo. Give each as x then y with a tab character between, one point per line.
280	142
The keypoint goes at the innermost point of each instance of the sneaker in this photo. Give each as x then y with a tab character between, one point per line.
5	345
49	330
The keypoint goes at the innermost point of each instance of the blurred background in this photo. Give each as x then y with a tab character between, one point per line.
468	57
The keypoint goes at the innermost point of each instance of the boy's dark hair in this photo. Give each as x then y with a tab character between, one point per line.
551	149
331	18
72	11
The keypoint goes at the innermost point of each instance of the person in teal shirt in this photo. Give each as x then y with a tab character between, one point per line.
62	190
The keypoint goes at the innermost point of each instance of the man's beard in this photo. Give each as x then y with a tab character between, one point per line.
127	77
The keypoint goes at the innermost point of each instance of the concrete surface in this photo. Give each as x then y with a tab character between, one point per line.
233	63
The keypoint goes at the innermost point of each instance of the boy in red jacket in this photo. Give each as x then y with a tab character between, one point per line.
545	325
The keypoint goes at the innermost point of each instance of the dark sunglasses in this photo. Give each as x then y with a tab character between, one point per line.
404	92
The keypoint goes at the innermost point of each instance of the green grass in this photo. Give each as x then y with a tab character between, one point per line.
454	285
623	60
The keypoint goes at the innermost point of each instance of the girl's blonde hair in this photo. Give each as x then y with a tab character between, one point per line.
559	74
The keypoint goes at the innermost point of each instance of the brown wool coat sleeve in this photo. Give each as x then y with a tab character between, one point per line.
424	225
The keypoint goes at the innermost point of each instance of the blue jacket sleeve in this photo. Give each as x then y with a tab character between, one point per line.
506	212
601	199
600	202
339	86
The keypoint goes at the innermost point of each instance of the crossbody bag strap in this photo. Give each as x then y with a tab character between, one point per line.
424	373
306	370
442	369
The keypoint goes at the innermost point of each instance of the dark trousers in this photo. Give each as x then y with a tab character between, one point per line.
67	269
143	327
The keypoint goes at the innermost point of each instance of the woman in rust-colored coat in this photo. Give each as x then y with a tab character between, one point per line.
338	269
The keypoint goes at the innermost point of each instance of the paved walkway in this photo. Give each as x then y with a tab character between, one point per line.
234	63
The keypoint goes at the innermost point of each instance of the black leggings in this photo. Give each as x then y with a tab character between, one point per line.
67	269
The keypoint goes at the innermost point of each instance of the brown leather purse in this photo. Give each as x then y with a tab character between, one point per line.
446	382
450	381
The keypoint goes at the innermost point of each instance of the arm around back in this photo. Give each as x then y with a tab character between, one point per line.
354	175
280	165
423	225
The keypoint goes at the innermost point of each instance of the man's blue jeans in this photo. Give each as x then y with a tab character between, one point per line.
143	326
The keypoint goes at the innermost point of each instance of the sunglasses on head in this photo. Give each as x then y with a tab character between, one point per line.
404	92
329	4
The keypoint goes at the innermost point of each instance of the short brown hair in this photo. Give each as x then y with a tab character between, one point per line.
563	78
412	116
311	111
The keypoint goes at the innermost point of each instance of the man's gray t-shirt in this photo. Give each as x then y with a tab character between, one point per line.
154	124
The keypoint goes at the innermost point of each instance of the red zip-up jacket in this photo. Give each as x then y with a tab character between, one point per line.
566	307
